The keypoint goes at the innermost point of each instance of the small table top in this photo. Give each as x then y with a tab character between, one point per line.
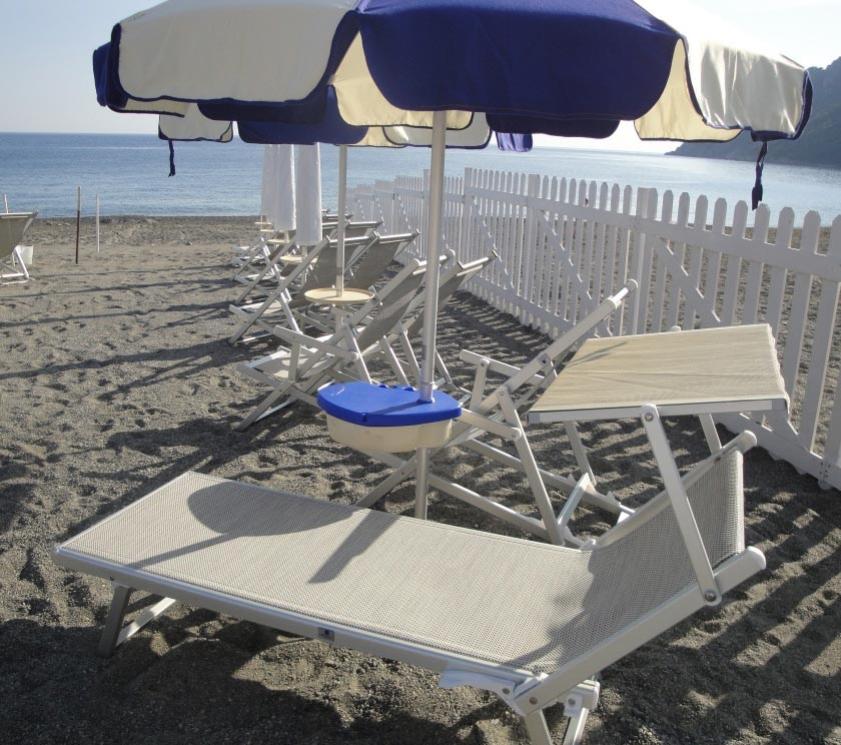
719	370
329	296
277	241
291	259
263	224
268	230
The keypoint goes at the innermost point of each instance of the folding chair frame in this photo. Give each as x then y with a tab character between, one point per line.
329	355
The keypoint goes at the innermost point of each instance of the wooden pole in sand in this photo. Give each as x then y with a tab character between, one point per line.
6	203
97	223
78	218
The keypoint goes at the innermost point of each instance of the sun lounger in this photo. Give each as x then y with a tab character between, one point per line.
413	327
532	623
266	264
305	363
13	226
287	304
496	413
366	267
274	307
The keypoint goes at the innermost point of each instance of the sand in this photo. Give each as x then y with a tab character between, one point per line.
116	377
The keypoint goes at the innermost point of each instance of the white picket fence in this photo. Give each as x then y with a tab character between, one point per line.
565	244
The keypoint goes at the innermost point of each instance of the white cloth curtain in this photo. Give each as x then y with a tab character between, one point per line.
307	195
266	190
284	182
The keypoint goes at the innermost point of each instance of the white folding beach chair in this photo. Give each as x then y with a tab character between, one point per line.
274	307
412	328
365	268
532	623
13	226
497	414
305	363
270	266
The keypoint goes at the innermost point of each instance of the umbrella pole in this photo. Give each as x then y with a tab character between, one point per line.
430	307
340	232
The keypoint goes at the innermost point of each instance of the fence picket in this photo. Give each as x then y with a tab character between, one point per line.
777	286
821	348
800	307
659	298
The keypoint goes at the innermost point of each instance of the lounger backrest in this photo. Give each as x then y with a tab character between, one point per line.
642	564
370	268
451	283
392	311
323	271
557	350
13	227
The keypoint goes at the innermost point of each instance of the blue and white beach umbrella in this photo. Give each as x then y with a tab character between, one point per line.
559	67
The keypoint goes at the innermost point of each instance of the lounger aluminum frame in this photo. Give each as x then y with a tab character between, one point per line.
13	226
532	623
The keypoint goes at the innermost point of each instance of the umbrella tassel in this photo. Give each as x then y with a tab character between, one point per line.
171	159
760	167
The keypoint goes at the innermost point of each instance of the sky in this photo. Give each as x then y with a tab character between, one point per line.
46	46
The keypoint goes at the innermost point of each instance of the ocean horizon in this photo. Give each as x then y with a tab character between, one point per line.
129	173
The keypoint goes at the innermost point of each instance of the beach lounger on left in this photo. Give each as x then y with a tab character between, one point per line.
13	226
534	624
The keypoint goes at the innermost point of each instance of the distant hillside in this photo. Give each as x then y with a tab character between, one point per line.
820	144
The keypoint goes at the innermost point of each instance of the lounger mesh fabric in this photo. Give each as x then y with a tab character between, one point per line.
673	367
519	604
12	229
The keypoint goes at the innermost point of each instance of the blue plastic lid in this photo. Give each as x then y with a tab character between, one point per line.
385	406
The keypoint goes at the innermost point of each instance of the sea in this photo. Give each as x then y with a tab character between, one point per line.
129	174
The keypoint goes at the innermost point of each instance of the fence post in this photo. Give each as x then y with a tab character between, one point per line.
78	218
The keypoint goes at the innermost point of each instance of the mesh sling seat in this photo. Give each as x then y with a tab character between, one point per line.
366	267
528	621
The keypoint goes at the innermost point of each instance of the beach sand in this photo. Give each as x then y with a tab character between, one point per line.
116	377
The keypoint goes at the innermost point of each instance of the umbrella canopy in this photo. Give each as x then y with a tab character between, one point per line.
660	63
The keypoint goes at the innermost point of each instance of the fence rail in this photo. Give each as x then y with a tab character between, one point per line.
564	244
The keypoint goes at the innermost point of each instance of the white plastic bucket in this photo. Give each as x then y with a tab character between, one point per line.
390	439
25	253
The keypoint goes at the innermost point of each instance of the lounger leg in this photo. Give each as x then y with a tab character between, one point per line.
267	406
575	727
538	488
537	729
21	265
579	451
711	433
114	632
114	622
